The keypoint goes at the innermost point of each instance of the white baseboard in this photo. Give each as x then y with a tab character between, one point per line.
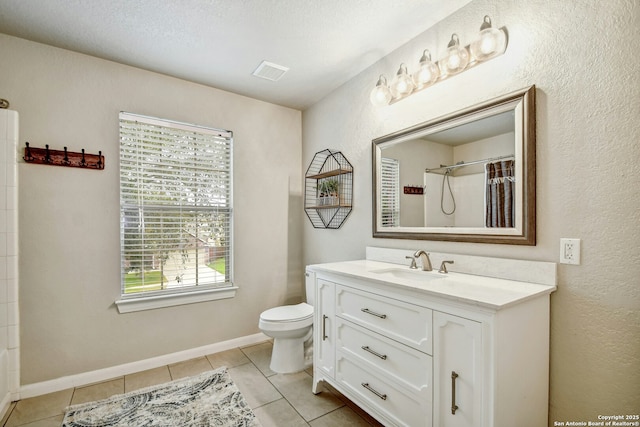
85	378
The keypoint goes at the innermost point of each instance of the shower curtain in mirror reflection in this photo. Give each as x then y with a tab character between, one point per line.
500	193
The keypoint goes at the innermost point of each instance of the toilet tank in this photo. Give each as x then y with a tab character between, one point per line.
310	286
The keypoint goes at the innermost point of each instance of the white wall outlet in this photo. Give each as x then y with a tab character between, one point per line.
570	251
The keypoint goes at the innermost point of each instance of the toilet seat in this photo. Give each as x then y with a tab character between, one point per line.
288	313
287	318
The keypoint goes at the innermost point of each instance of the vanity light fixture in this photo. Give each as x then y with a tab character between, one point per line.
456	59
381	95
489	43
428	72
402	84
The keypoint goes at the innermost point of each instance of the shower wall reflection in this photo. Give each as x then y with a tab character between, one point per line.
452	172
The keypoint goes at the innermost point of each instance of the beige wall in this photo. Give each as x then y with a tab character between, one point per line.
583	57
69	218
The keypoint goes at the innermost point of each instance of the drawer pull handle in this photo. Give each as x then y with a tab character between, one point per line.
453	392
377	393
324	327
373	313
375	353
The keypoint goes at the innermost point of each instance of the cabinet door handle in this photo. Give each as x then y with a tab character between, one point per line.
454	407
324	327
373	313
375	353
377	393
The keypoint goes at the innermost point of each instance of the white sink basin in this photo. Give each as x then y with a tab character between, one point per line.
408	274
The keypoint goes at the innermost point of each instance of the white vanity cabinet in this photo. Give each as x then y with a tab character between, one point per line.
415	358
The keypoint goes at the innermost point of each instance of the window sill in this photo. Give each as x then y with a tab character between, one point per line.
129	305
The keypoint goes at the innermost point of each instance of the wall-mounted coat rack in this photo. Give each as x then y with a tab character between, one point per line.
46	156
413	189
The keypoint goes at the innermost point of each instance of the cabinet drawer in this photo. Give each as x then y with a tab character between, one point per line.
407	323
407	365
403	407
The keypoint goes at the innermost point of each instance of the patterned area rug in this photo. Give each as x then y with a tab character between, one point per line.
209	399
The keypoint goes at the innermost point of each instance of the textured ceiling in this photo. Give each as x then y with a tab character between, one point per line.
220	43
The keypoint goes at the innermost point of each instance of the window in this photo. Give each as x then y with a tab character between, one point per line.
176	212
390	192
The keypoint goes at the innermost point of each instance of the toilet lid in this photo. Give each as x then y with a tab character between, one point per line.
288	313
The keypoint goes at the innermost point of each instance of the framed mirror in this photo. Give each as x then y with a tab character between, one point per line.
469	176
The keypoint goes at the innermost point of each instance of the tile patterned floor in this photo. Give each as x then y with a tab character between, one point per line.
277	400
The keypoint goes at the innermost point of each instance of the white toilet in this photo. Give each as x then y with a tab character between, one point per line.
291	327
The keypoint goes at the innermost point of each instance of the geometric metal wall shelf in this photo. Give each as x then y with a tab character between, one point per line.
328	192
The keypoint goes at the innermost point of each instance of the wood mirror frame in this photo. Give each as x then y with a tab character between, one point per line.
522	103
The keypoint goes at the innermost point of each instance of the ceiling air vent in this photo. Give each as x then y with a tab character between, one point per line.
270	71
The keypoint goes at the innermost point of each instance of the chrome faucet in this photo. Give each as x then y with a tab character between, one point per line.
426	262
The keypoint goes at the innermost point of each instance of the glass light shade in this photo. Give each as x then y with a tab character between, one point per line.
428	72
402	84
491	42
455	59
380	95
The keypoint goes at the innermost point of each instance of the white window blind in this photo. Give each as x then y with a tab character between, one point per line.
390	192
175	205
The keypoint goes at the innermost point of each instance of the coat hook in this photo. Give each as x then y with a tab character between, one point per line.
99	164
83	163
47	156
27	155
66	157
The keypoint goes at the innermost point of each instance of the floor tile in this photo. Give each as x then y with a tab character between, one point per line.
147	378
296	388
282	400
40	408
256	389
260	355
47	422
279	414
7	413
355	408
98	391
229	358
190	368
344	416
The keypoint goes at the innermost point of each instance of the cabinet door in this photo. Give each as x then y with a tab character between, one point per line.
457	368
324	328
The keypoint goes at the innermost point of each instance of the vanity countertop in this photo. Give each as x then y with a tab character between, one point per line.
489	292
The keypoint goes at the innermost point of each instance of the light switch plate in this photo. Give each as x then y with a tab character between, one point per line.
570	251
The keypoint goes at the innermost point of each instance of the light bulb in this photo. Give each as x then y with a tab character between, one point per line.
490	42
402	84
456	58
428	72
380	95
